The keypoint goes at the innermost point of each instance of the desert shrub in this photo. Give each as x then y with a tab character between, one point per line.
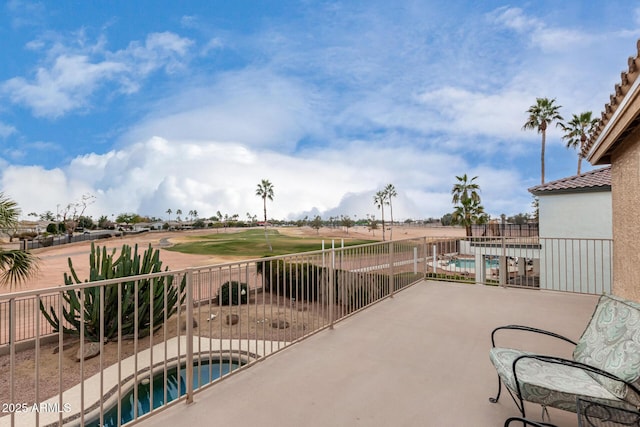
27	235
52	228
233	293
294	280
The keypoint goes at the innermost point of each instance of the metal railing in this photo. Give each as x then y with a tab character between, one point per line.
573	265
168	331
560	264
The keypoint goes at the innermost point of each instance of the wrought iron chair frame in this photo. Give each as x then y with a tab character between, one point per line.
518	399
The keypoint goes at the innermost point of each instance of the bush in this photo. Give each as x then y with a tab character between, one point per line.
294	280
233	293
52	228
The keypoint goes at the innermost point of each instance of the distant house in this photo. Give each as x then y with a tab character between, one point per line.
578	206
616	141
575	220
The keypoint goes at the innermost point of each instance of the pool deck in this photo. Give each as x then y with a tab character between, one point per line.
418	359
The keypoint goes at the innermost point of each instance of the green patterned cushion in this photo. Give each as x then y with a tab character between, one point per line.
611	342
547	383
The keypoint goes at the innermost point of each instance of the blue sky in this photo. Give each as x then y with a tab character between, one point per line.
156	105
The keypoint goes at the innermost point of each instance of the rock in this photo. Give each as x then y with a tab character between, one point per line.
232	319
183	325
67	344
280	324
91	349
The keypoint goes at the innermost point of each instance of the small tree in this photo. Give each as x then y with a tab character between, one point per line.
316	223
373	225
346	222
74	210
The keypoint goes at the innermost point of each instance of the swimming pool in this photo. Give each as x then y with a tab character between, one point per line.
203	373
471	263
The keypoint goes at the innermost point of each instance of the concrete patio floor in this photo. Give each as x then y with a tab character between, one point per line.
418	359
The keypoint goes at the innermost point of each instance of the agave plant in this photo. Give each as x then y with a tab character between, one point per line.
158	293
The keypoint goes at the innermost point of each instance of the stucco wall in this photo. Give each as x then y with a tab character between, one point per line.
625	180
576	215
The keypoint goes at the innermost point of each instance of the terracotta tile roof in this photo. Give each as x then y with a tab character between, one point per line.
627	78
595	180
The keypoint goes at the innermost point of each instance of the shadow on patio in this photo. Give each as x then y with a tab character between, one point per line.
418	359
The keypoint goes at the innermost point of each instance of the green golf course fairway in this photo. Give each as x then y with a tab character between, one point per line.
252	244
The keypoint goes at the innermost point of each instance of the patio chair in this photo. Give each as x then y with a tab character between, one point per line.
605	366
526	422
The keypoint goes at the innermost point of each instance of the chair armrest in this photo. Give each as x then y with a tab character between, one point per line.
572	364
529	329
527	422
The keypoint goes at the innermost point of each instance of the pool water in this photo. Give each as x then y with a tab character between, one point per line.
176	386
471	263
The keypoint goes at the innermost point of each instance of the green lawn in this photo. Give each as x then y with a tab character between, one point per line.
252	244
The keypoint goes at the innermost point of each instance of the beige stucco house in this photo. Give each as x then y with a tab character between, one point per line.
617	142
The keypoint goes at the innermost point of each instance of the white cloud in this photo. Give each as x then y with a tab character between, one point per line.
547	38
6	130
72	74
255	108
155	175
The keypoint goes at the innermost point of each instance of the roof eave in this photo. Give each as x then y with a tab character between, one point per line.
615	129
602	188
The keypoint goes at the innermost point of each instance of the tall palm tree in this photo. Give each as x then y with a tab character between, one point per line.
576	131
265	191
390	192
465	189
541	115
380	199
178	213
466	196
169	212
467	213
16	266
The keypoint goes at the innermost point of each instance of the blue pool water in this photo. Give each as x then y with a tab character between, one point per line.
176	386
471	263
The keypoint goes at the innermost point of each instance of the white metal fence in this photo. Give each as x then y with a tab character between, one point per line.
166	331
571	265
167	335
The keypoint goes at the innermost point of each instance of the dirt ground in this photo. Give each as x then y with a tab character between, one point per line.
53	262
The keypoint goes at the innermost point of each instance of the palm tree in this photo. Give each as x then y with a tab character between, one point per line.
16	266
465	189
541	115
390	192
265	191
467	213
169	212
576	131
178	213
466	195
380	199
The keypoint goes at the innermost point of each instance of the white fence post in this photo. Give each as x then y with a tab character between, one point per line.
189	334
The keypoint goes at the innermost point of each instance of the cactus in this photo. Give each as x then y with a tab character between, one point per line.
103	266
